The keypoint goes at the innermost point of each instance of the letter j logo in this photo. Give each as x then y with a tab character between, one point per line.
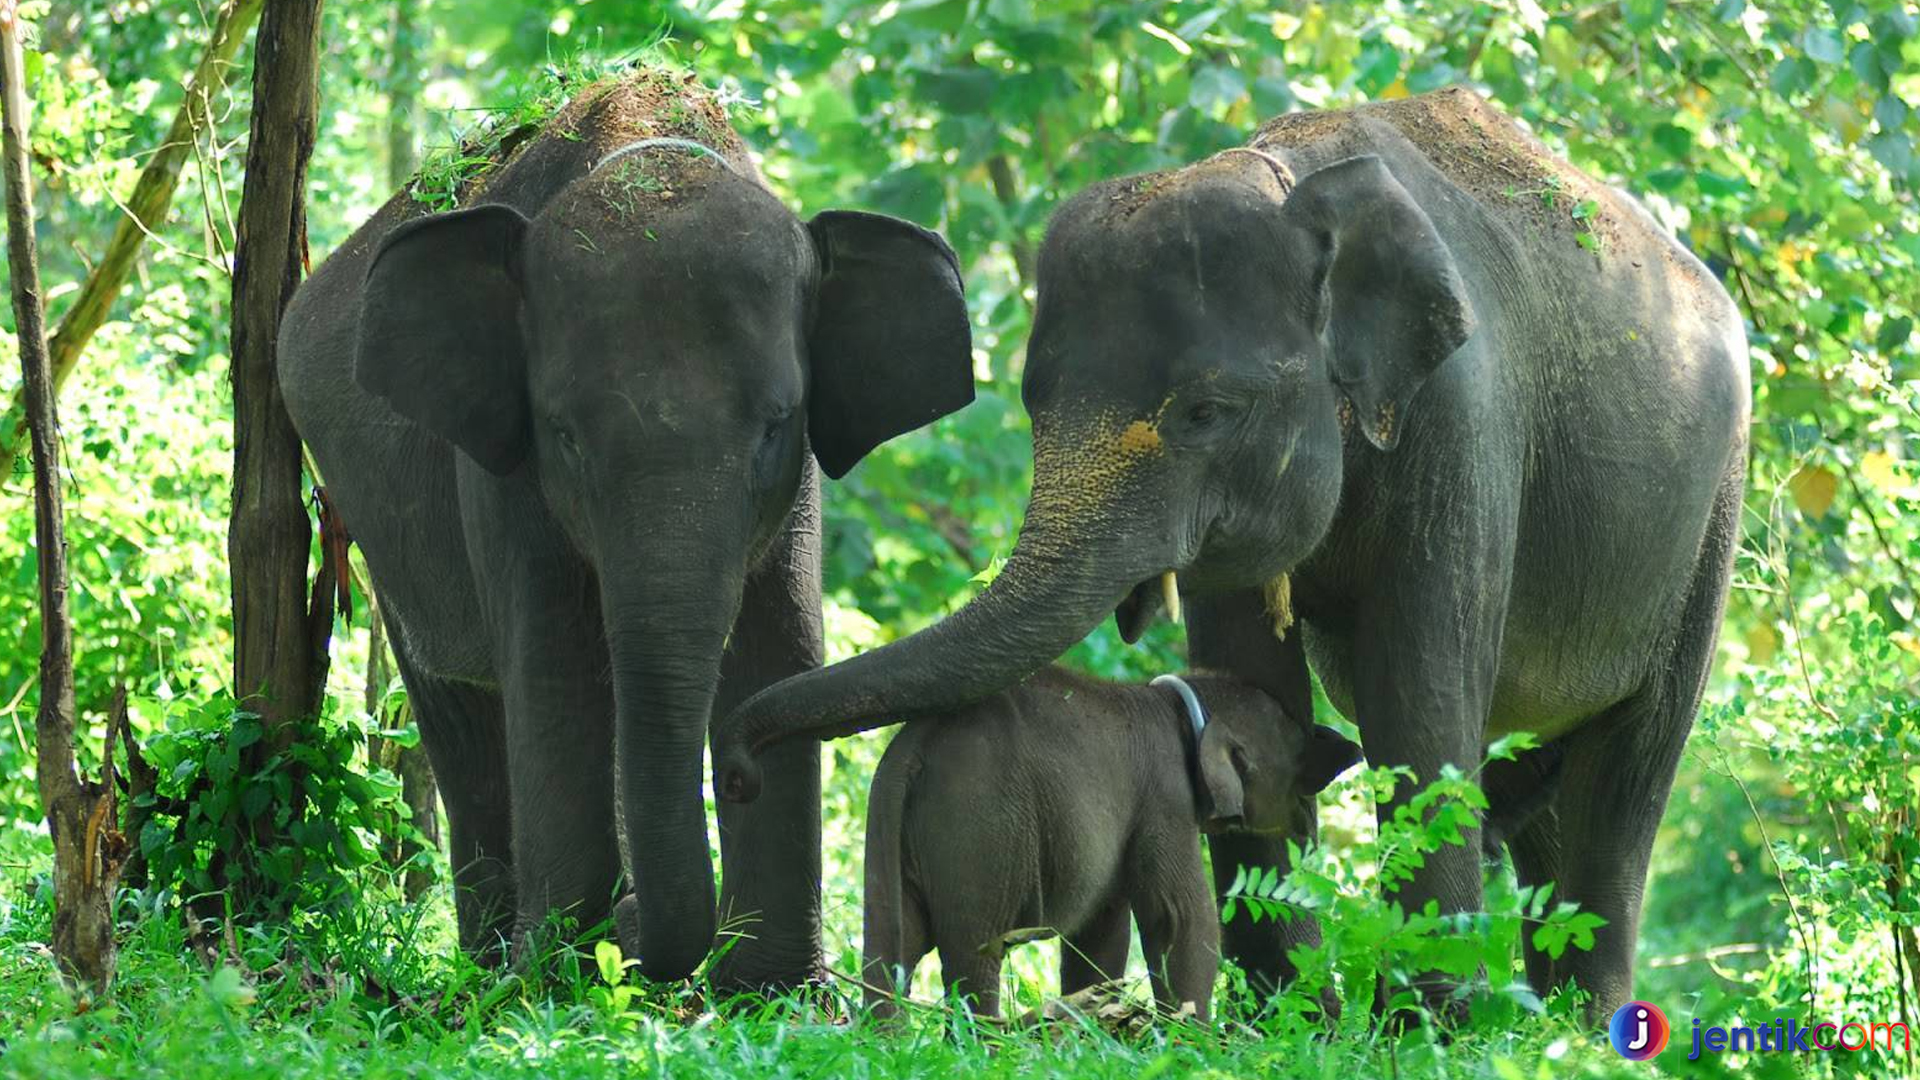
1639	1030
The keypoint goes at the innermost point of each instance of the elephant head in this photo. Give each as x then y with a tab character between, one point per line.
1259	769
655	353
1205	343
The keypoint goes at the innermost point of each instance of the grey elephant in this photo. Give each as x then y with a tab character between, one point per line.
1472	419
1058	806
573	428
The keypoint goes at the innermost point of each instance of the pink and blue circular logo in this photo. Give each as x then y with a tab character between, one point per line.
1639	1030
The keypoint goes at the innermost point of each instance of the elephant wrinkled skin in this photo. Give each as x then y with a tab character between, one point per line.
570	427
1059	806
1484	414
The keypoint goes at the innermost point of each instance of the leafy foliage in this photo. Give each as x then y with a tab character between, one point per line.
1775	139
1368	936
216	818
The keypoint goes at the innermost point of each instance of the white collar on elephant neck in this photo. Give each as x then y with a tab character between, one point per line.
678	144
1196	713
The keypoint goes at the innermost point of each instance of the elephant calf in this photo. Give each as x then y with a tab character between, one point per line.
1062	803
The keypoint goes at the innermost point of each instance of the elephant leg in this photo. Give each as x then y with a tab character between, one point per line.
1179	930
770	848
1619	773
1535	849
1521	819
887	966
1098	952
559	749
541	607
1233	633
463	729
1424	665
971	972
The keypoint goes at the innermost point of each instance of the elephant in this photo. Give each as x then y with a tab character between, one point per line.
576	427
1063	803
1393	395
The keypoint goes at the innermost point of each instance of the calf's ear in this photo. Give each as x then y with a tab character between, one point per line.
1222	781
1328	754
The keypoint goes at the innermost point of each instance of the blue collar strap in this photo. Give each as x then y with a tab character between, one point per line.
1196	714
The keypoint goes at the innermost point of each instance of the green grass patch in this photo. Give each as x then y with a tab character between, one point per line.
379	992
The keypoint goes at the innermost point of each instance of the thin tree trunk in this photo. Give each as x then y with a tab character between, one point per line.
88	850
403	92
280	634
145	212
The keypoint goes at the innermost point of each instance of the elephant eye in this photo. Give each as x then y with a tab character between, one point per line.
567	442
1206	415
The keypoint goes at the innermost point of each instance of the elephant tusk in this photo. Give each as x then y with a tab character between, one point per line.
1170	594
1279	597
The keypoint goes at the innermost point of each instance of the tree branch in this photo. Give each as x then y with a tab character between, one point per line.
143	211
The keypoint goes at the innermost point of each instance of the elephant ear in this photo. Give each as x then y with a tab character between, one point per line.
1221	778
890	346
1328	754
440	335
1392	306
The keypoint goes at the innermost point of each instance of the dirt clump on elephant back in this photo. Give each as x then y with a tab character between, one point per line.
651	100
1483	152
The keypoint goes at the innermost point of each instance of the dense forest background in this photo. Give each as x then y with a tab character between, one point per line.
1775	139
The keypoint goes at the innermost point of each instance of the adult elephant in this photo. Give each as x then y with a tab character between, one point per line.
569	426
1474	419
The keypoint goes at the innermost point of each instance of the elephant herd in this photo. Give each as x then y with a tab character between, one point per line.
1354	395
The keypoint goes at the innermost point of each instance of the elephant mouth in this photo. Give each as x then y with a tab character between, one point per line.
1135	613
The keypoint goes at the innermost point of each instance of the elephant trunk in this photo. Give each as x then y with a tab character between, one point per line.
666	652
1063	577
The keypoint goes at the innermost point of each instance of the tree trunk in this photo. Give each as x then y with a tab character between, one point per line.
146	211
88	850
280	635
403	92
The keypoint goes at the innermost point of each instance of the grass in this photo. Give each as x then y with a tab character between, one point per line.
375	990
496	131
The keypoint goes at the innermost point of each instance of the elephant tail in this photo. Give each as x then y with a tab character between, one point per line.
895	936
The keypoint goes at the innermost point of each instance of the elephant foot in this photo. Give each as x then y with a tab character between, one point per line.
765	972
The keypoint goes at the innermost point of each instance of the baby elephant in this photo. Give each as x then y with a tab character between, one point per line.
1057	806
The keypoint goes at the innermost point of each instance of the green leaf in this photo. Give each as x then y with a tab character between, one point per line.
1793	75
1644	14
1893	334
1867	65
1894	150
1890	112
1822	44
1215	87
914	192
606	958
1272	95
